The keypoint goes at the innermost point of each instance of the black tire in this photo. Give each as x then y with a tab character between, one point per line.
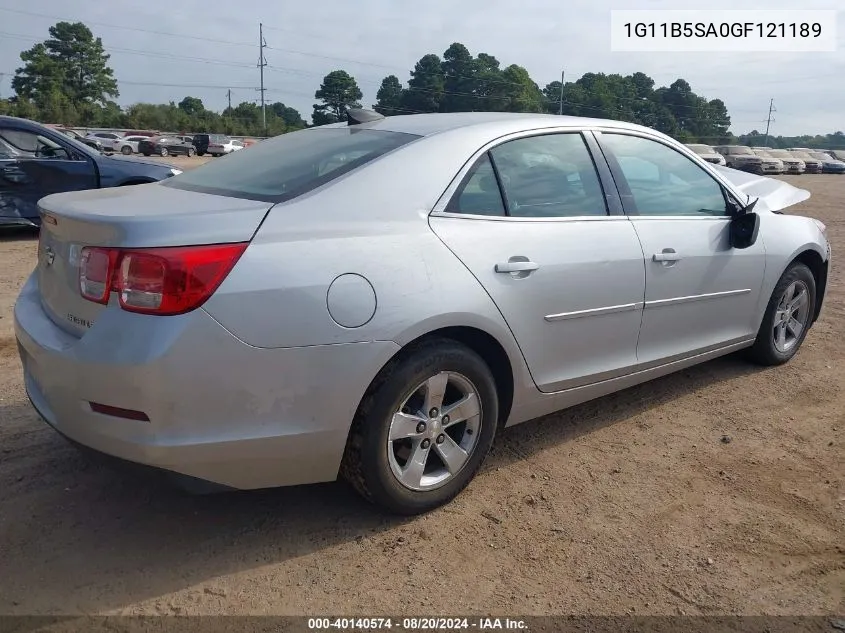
200	153
146	153
191	152
126	150
163	151
365	462
764	350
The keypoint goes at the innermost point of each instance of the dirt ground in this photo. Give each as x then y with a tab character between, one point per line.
629	504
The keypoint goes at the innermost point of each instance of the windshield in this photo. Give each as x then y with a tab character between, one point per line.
762	152
701	149
819	156
289	165
780	153
802	155
742	150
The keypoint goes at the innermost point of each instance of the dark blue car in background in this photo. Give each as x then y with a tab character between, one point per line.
36	161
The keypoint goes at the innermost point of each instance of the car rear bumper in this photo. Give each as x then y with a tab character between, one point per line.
218	409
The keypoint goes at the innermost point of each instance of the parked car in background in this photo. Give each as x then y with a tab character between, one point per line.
830	165
108	139
740	157
708	153
129	144
389	264
36	161
93	143
838	154
770	164
791	164
186	139
813	165
202	141
227	147
166	146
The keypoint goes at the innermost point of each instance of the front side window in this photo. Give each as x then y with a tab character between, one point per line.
290	165
663	181
22	144
550	175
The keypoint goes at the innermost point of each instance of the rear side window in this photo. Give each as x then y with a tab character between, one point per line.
479	194
287	166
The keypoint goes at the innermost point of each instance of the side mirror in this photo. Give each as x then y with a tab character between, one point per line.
744	227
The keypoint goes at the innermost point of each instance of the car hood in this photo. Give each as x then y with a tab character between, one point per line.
141	161
776	194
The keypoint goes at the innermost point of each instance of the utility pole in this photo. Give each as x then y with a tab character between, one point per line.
768	122
229	95
560	111
262	62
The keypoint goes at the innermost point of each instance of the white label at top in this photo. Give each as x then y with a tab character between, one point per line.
711	31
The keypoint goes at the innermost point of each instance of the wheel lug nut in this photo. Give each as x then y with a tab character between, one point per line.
432	413
441	438
445	419
420	427
426	443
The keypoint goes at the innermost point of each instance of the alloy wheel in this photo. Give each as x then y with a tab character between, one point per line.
435	431
791	316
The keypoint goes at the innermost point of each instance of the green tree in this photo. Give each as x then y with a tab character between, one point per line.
73	62
426	86
518	92
459	83
291	117
191	105
338	92
389	96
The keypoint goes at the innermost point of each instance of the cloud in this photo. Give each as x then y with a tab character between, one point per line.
374	38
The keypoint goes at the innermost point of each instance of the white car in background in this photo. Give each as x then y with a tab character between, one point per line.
708	153
128	144
231	145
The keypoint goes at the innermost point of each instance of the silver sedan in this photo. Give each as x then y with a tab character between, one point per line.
376	298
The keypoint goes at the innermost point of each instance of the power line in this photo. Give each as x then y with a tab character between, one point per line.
345	60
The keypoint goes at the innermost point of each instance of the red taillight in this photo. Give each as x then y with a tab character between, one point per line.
163	281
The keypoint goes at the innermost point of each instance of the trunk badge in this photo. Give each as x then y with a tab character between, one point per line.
50	255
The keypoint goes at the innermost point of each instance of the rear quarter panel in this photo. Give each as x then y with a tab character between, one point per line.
374	223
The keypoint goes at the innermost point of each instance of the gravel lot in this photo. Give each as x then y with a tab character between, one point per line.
629	504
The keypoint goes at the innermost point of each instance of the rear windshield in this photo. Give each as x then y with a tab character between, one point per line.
287	166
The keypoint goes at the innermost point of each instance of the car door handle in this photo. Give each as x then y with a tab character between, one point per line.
518	266
668	255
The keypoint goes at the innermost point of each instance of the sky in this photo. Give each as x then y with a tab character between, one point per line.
213	47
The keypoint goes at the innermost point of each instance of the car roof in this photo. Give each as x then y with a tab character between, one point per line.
435	123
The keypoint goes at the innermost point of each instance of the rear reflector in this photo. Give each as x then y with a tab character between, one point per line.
162	281
117	412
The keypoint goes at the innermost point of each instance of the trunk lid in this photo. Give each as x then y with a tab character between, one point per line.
141	216
776	194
